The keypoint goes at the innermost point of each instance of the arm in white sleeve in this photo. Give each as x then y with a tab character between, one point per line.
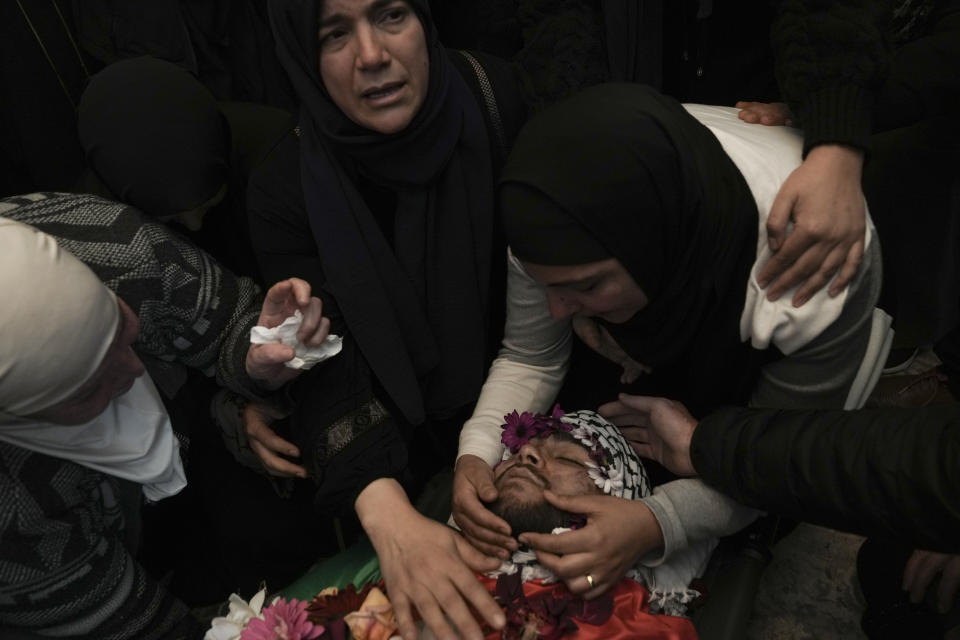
529	369
688	511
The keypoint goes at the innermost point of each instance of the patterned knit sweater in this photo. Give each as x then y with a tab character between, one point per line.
65	568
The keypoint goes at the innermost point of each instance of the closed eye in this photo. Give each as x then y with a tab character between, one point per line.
572	461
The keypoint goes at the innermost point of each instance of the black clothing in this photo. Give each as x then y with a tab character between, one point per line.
924	72
654	187
912	183
417	308
154	135
889	614
397	235
155	138
824	58
831	58
41	78
893	473
227	44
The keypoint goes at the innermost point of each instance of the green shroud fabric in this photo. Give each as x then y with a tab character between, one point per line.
357	565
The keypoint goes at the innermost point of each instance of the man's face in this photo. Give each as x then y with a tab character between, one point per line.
558	463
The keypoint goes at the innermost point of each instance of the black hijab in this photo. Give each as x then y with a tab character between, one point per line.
154	136
417	309
649	184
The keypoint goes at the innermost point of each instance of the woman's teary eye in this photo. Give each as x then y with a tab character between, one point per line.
331	36
394	15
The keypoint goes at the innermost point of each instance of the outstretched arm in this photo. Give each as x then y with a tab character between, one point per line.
527	375
886	472
883	472
427	566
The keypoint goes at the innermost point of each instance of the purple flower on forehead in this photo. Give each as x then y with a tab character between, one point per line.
518	429
551	423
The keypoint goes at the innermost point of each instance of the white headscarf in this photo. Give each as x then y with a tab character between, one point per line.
57	322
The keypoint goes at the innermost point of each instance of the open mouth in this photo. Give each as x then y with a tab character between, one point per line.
383	91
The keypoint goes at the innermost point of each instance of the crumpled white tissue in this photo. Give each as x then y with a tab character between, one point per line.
286	333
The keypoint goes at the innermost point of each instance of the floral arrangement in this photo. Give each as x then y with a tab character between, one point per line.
549	614
521	428
333	614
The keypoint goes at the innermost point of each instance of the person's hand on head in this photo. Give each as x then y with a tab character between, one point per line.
472	486
427	566
657	428
271	449
921	570
617	534
265	361
823	198
770	114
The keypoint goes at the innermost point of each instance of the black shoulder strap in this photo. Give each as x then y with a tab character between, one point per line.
483	88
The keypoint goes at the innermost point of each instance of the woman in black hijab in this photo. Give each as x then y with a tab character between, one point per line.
156	138
383	199
641	227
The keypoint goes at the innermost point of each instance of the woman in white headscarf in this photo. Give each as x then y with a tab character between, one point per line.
84	436
72	390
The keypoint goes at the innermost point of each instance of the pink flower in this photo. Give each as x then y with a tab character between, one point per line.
518	429
282	620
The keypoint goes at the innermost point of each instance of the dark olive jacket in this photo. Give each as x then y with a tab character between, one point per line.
886	472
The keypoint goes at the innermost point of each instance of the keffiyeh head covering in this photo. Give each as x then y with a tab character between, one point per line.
622	171
615	469
417	305
57	321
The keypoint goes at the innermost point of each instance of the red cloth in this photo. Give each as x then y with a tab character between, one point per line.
631	619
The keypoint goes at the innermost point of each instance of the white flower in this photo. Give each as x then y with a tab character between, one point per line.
230	626
596	474
614	481
608	479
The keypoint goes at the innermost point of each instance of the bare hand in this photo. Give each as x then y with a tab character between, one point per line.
923	567
265	361
824	199
600	340
473	483
617	534
426	565
657	428
767	113
268	446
